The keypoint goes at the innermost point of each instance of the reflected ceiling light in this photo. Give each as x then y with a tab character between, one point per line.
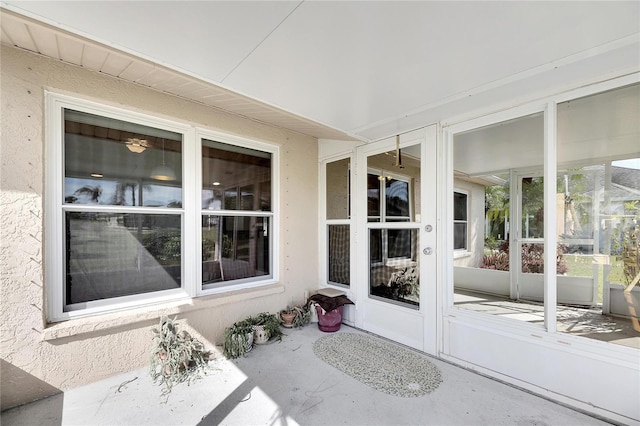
216	183
96	175
163	172
136	145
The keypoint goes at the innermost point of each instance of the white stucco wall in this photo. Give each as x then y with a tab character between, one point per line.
38	358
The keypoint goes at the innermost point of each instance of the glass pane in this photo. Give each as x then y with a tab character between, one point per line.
247	198
161	195
230	199
373	196
395	279
338	254
113	162
598	216
399	244
235	247
244	173
485	160
459	236
212	199
338	188
375	245
397	198
459	206
393	189
120	254
532	207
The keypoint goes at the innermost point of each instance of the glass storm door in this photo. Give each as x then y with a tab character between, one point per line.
529	251
395	201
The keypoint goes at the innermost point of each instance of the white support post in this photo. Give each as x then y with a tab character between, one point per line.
550	217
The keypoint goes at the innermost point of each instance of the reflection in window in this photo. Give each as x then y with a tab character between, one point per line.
485	161
396	198
459	221
120	254
111	253
101	167
598	216
244	173
235	247
393	200
397	280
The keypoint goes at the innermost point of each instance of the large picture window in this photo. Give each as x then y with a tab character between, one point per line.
120	212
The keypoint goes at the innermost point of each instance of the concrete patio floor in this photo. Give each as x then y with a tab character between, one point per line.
284	383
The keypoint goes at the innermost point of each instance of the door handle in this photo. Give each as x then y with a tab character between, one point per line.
427	250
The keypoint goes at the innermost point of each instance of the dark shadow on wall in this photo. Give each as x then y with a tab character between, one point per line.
16	385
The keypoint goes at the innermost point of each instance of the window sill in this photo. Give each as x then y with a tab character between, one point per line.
108	323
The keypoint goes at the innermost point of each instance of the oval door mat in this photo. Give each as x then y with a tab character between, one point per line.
384	366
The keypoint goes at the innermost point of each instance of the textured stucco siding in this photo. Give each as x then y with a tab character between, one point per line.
39	359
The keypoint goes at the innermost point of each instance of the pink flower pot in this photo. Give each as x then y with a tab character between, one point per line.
329	321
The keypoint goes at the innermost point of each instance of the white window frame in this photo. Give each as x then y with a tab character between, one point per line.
386	260
274	150
190	213
324	223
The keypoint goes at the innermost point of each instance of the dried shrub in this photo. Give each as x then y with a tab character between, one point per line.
176	356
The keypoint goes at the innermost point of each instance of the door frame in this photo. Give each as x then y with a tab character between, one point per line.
422	322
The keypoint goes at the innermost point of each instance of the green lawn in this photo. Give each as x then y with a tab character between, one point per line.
583	265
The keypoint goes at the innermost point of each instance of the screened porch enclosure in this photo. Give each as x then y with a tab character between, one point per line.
597	204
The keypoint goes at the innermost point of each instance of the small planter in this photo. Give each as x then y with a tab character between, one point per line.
260	335
287	319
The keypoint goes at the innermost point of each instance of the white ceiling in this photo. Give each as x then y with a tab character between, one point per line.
348	69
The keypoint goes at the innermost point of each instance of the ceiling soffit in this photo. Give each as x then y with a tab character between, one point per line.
34	36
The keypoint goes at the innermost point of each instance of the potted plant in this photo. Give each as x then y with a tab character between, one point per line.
295	316
238	339
266	327
176	356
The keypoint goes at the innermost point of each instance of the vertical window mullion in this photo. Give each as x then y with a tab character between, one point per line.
191	166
